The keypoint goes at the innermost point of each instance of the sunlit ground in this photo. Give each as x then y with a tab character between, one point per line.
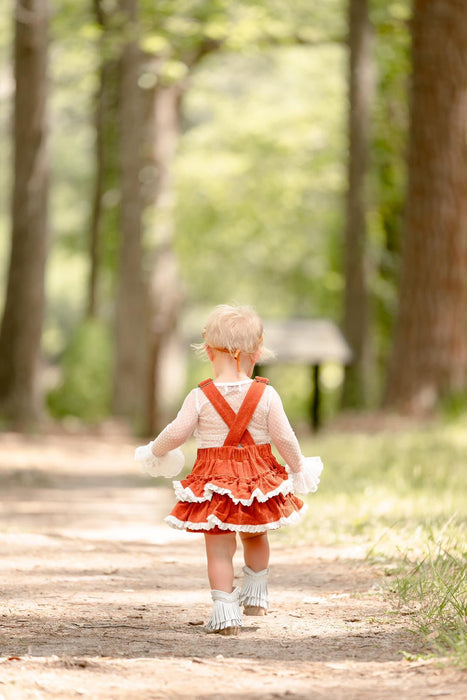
396	498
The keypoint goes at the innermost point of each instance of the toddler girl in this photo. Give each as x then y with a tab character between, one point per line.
236	484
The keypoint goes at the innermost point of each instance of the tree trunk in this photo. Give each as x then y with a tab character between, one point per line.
356	312
104	212
430	352
132	308
150	134
21	328
165	289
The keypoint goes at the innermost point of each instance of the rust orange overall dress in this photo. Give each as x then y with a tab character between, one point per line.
239	487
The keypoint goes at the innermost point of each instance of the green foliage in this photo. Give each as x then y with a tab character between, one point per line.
453	406
65	289
179	29
259	181
260	171
87	370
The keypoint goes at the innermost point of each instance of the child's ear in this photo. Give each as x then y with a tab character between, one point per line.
257	355
253	358
209	352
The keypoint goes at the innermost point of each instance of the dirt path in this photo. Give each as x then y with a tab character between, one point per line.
100	599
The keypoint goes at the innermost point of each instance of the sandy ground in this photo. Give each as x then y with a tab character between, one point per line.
100	599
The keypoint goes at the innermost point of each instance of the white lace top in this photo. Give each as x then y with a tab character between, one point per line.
198	417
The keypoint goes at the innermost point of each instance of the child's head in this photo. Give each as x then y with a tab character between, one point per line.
236	330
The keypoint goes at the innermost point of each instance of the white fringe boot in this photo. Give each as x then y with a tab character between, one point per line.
226	615
254	594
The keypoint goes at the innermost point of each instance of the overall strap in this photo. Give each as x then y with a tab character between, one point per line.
238	430
223	408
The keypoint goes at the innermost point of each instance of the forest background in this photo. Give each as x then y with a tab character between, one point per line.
308	158
208	152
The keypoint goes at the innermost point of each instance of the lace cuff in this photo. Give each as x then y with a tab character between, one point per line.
307	479
169	465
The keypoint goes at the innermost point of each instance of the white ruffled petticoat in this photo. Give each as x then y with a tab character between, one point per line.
186	494
213	521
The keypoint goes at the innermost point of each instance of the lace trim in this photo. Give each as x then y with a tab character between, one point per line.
213	521
186	495
307	479
237	383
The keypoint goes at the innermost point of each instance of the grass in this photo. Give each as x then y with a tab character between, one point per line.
403	496
434	590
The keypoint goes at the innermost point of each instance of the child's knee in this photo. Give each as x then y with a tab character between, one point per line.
221	545
253	535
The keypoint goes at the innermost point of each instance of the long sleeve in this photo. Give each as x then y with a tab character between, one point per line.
179	430
282	434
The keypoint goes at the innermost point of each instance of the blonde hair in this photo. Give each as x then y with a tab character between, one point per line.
235	329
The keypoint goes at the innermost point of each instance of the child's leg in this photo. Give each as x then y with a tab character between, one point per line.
220	550
226	615
254	594
255	550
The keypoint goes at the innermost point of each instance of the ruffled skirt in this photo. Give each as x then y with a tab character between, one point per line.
235	489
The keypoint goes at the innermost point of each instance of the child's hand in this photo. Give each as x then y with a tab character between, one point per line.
168	465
